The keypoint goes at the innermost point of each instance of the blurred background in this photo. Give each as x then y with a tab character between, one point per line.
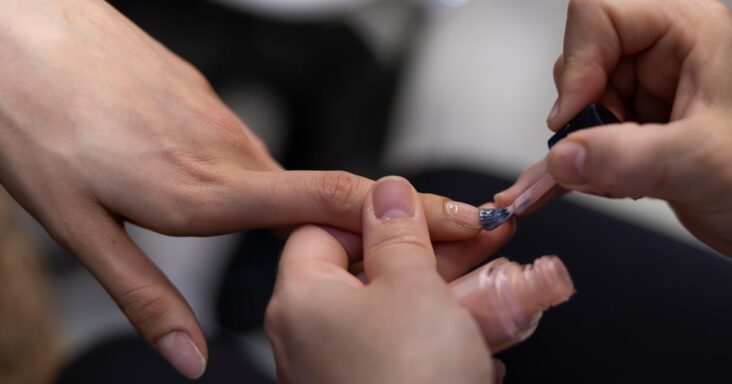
451	93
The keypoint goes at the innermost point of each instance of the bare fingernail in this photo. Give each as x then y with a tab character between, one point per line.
464	215
180	351
393	199
569	159
554	112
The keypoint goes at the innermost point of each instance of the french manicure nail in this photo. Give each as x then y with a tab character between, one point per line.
462	214
570	159
180	351
393	199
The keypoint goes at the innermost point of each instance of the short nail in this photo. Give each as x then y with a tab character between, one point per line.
464	215
180	351
554	112
393	199
570	159
362	277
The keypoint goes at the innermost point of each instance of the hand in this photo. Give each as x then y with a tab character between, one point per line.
664	64
100	125
405	326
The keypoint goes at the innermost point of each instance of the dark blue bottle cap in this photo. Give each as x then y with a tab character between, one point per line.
592	116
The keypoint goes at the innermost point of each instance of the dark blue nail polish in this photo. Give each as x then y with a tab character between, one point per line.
492	218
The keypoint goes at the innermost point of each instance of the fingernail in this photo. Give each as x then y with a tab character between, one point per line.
393	199
180	351
555	111
498	198
362	277
464	215
569	159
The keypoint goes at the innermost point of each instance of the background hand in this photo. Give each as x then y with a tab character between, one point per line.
404	326
665	65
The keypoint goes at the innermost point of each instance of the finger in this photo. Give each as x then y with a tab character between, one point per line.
269	199
631	160
145	295
598	34
395	236
527	178
499	371
454	258
351	243
312	250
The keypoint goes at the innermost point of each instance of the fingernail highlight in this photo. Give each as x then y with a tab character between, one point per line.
393	198
464	215
180	351
569	159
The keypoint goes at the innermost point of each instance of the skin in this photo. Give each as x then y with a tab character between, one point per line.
663	64
102	125
404	326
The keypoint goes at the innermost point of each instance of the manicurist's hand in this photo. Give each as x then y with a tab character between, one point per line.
404	326
101	125
664	64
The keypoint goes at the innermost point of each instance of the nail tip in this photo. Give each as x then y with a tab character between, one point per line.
183	354
492	218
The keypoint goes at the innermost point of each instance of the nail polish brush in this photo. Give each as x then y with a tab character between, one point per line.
540	179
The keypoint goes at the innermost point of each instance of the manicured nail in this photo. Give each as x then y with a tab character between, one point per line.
180	351
555	111
569	159
464	215
393	199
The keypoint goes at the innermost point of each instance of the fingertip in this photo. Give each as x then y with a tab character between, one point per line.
499	371
183	354
568	163
393	198
395	234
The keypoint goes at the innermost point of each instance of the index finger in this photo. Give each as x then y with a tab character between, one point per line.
598	34
312	249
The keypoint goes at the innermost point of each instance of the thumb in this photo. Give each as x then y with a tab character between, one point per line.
627	160
395	236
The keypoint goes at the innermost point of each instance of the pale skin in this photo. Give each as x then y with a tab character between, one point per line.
102	125
665	65
662	63
404	326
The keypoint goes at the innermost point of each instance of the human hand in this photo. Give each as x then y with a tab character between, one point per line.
101	125
665	65
404	326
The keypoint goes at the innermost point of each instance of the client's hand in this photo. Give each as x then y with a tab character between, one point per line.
101	125
405	326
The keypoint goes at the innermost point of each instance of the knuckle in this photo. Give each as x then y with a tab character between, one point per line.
288	305
194	166
339	191
146	307
399	241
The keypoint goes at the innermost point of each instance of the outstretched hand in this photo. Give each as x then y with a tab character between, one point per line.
101	125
